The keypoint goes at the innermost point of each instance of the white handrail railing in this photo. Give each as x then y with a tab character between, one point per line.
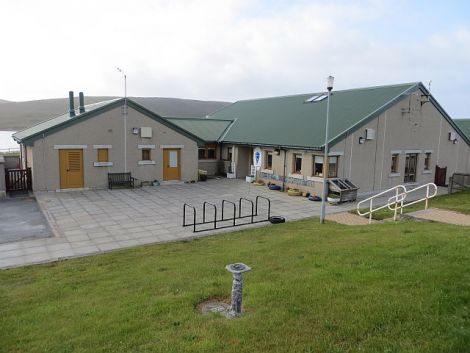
397	200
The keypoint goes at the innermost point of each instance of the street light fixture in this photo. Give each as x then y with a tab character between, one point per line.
329	87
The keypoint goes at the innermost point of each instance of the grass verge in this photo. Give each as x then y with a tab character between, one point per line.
401	287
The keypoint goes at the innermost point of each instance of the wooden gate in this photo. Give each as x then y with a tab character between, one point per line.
18	180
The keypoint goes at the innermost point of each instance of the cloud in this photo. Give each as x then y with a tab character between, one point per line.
225	50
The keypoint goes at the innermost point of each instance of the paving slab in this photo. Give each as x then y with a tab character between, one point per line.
95	221
443	216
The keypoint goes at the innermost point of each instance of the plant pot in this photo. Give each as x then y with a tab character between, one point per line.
294	192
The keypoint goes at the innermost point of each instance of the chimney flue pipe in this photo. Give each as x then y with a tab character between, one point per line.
82	102
71	105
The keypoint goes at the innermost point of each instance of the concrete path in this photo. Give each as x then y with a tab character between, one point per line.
20	219
349	219
440	215
95	221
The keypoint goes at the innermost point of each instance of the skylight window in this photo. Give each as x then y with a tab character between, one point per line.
316	98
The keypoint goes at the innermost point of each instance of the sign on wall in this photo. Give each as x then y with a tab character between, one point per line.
257	158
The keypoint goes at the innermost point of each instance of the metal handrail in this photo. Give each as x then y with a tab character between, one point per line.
398	200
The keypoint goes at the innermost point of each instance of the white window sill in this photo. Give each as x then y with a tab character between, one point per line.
296	176
393	175
146	162
140	147
427	172
102	164
267	171
315	178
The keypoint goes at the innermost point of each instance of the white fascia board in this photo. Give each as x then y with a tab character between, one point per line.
69	147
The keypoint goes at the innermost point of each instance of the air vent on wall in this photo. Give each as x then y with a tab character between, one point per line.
146	132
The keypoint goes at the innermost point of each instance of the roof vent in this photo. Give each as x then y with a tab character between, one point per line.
71	105
81	98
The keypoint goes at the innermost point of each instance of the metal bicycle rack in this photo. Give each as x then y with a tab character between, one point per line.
222	222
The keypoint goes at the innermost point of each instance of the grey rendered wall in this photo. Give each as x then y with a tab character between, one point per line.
409	127
108	129
303	181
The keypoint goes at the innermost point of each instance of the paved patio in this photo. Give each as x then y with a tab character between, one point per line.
95	221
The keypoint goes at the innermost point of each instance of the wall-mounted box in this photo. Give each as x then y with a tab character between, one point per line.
370	134
146	132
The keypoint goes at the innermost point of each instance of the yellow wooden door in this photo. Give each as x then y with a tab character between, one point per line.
171	164
71	168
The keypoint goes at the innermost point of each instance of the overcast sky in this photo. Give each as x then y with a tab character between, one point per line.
230	50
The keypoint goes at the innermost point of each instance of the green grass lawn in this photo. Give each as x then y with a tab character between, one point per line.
458	202
394	287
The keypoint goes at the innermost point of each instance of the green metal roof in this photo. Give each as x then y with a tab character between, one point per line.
48	124
292	122
208	130
464	125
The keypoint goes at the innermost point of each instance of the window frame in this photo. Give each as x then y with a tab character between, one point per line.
336	166
427	161
144	151
99	155
206	149
395	161
295	157
314	169
268	160
317	174
203	150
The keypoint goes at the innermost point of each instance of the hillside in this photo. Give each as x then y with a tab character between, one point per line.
20	115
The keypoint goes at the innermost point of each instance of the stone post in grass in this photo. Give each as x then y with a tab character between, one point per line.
237	270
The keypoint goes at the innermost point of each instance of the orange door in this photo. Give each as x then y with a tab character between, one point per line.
71	168
171	164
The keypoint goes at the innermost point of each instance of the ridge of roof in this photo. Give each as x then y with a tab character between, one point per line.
321	92
290	122
196	118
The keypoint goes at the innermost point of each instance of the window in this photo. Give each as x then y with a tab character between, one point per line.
202	153
211	154
207	152
394	166
333	167
297	167
318	166
229	153
103	155
316	98
427	161
268	160
146	154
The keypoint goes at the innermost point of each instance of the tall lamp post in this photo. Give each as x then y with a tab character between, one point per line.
329	86
125	119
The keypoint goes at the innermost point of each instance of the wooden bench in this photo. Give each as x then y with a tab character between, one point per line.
120	179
